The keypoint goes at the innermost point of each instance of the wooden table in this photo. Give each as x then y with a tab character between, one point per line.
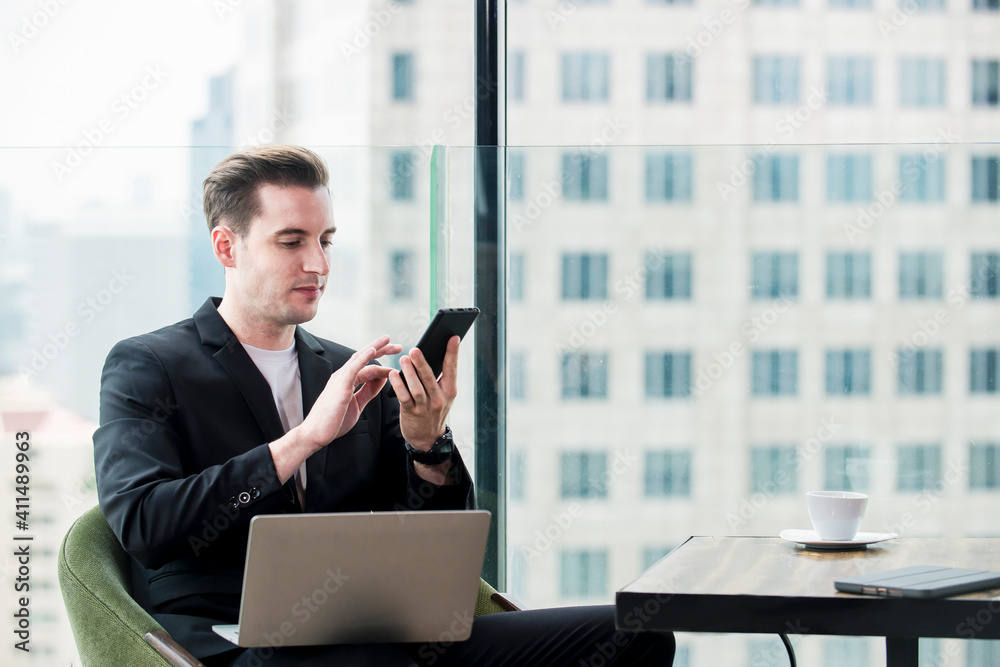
765	584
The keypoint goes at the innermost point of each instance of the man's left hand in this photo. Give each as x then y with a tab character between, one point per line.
424	401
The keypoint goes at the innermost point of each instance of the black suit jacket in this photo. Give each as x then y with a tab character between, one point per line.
183	465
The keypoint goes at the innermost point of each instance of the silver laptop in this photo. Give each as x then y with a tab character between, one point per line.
350	578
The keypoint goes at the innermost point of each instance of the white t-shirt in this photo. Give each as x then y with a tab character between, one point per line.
281	370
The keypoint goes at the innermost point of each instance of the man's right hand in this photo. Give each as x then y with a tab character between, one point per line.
337	409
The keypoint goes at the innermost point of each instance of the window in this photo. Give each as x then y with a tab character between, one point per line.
518	476
985	83
583	572
846	468
668	374
848	372
777	3
848	178
983	474
651	556
774	274
668	473
920	371
668	275
983	371
402	77
584	375
776	80
584	474
517	369
668	177
515	74
772	470
848	275
668	77
921	82
401	274
986	179
775	372
982	651
985	279
919	467
584	276
585	177
515	277
515	175
845	652
401	176
849	78
777	178
585	77
992	5
921	275
922	178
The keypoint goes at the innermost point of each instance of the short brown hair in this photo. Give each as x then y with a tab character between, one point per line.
231	187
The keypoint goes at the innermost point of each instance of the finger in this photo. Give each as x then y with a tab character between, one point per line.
380	342
449	374
399	387
413	381
391	348
372	373
368	391
424	371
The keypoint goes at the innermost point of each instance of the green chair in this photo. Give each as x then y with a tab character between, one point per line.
110	627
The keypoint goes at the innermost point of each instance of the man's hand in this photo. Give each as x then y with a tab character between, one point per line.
424	401
337	409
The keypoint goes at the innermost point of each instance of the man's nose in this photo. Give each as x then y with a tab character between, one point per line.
316	260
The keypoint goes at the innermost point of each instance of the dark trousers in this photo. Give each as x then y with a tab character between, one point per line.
570	637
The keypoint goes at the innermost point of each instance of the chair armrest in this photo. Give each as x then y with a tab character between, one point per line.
507	602
171	651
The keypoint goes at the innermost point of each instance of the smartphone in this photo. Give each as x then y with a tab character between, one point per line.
447	322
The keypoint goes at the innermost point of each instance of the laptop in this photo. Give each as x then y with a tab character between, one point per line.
920	581
347	578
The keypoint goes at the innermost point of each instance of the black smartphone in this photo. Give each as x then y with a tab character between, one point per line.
447	322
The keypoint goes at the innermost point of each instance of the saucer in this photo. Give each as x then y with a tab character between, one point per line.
811	540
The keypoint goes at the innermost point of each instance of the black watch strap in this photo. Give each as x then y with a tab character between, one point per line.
439	452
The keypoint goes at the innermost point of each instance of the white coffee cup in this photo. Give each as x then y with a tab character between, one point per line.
836	515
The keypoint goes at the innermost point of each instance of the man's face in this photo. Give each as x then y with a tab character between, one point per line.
282	264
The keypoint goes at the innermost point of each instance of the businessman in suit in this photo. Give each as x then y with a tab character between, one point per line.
238	411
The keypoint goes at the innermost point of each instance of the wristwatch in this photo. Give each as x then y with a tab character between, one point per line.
439	452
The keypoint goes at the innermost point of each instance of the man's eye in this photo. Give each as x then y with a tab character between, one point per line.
289	244
326	244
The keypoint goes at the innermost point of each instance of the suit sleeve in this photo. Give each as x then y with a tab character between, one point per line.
158	510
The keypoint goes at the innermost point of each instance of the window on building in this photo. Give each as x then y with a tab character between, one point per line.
986	83
519	473
583	573
772	469
402	77
919	467
401	274
983	370
775	372
846	468
401	176
920	371
922	178
515	175
668	275
845	652
515	77
989	5
921	275
668	374
776	79
585	77
585	176
921	82
848	178
651	556
983	473
584	275
849	78
668	77
584	474
517	373
775	274
515	277
668	177
585	375
848	275
668	473
986	179
777	179
848	372
776	3
984	281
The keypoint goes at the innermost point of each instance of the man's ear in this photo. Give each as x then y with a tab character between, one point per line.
224	242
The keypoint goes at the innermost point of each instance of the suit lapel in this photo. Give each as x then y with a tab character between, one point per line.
314	370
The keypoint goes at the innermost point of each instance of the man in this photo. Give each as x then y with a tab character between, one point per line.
238	412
